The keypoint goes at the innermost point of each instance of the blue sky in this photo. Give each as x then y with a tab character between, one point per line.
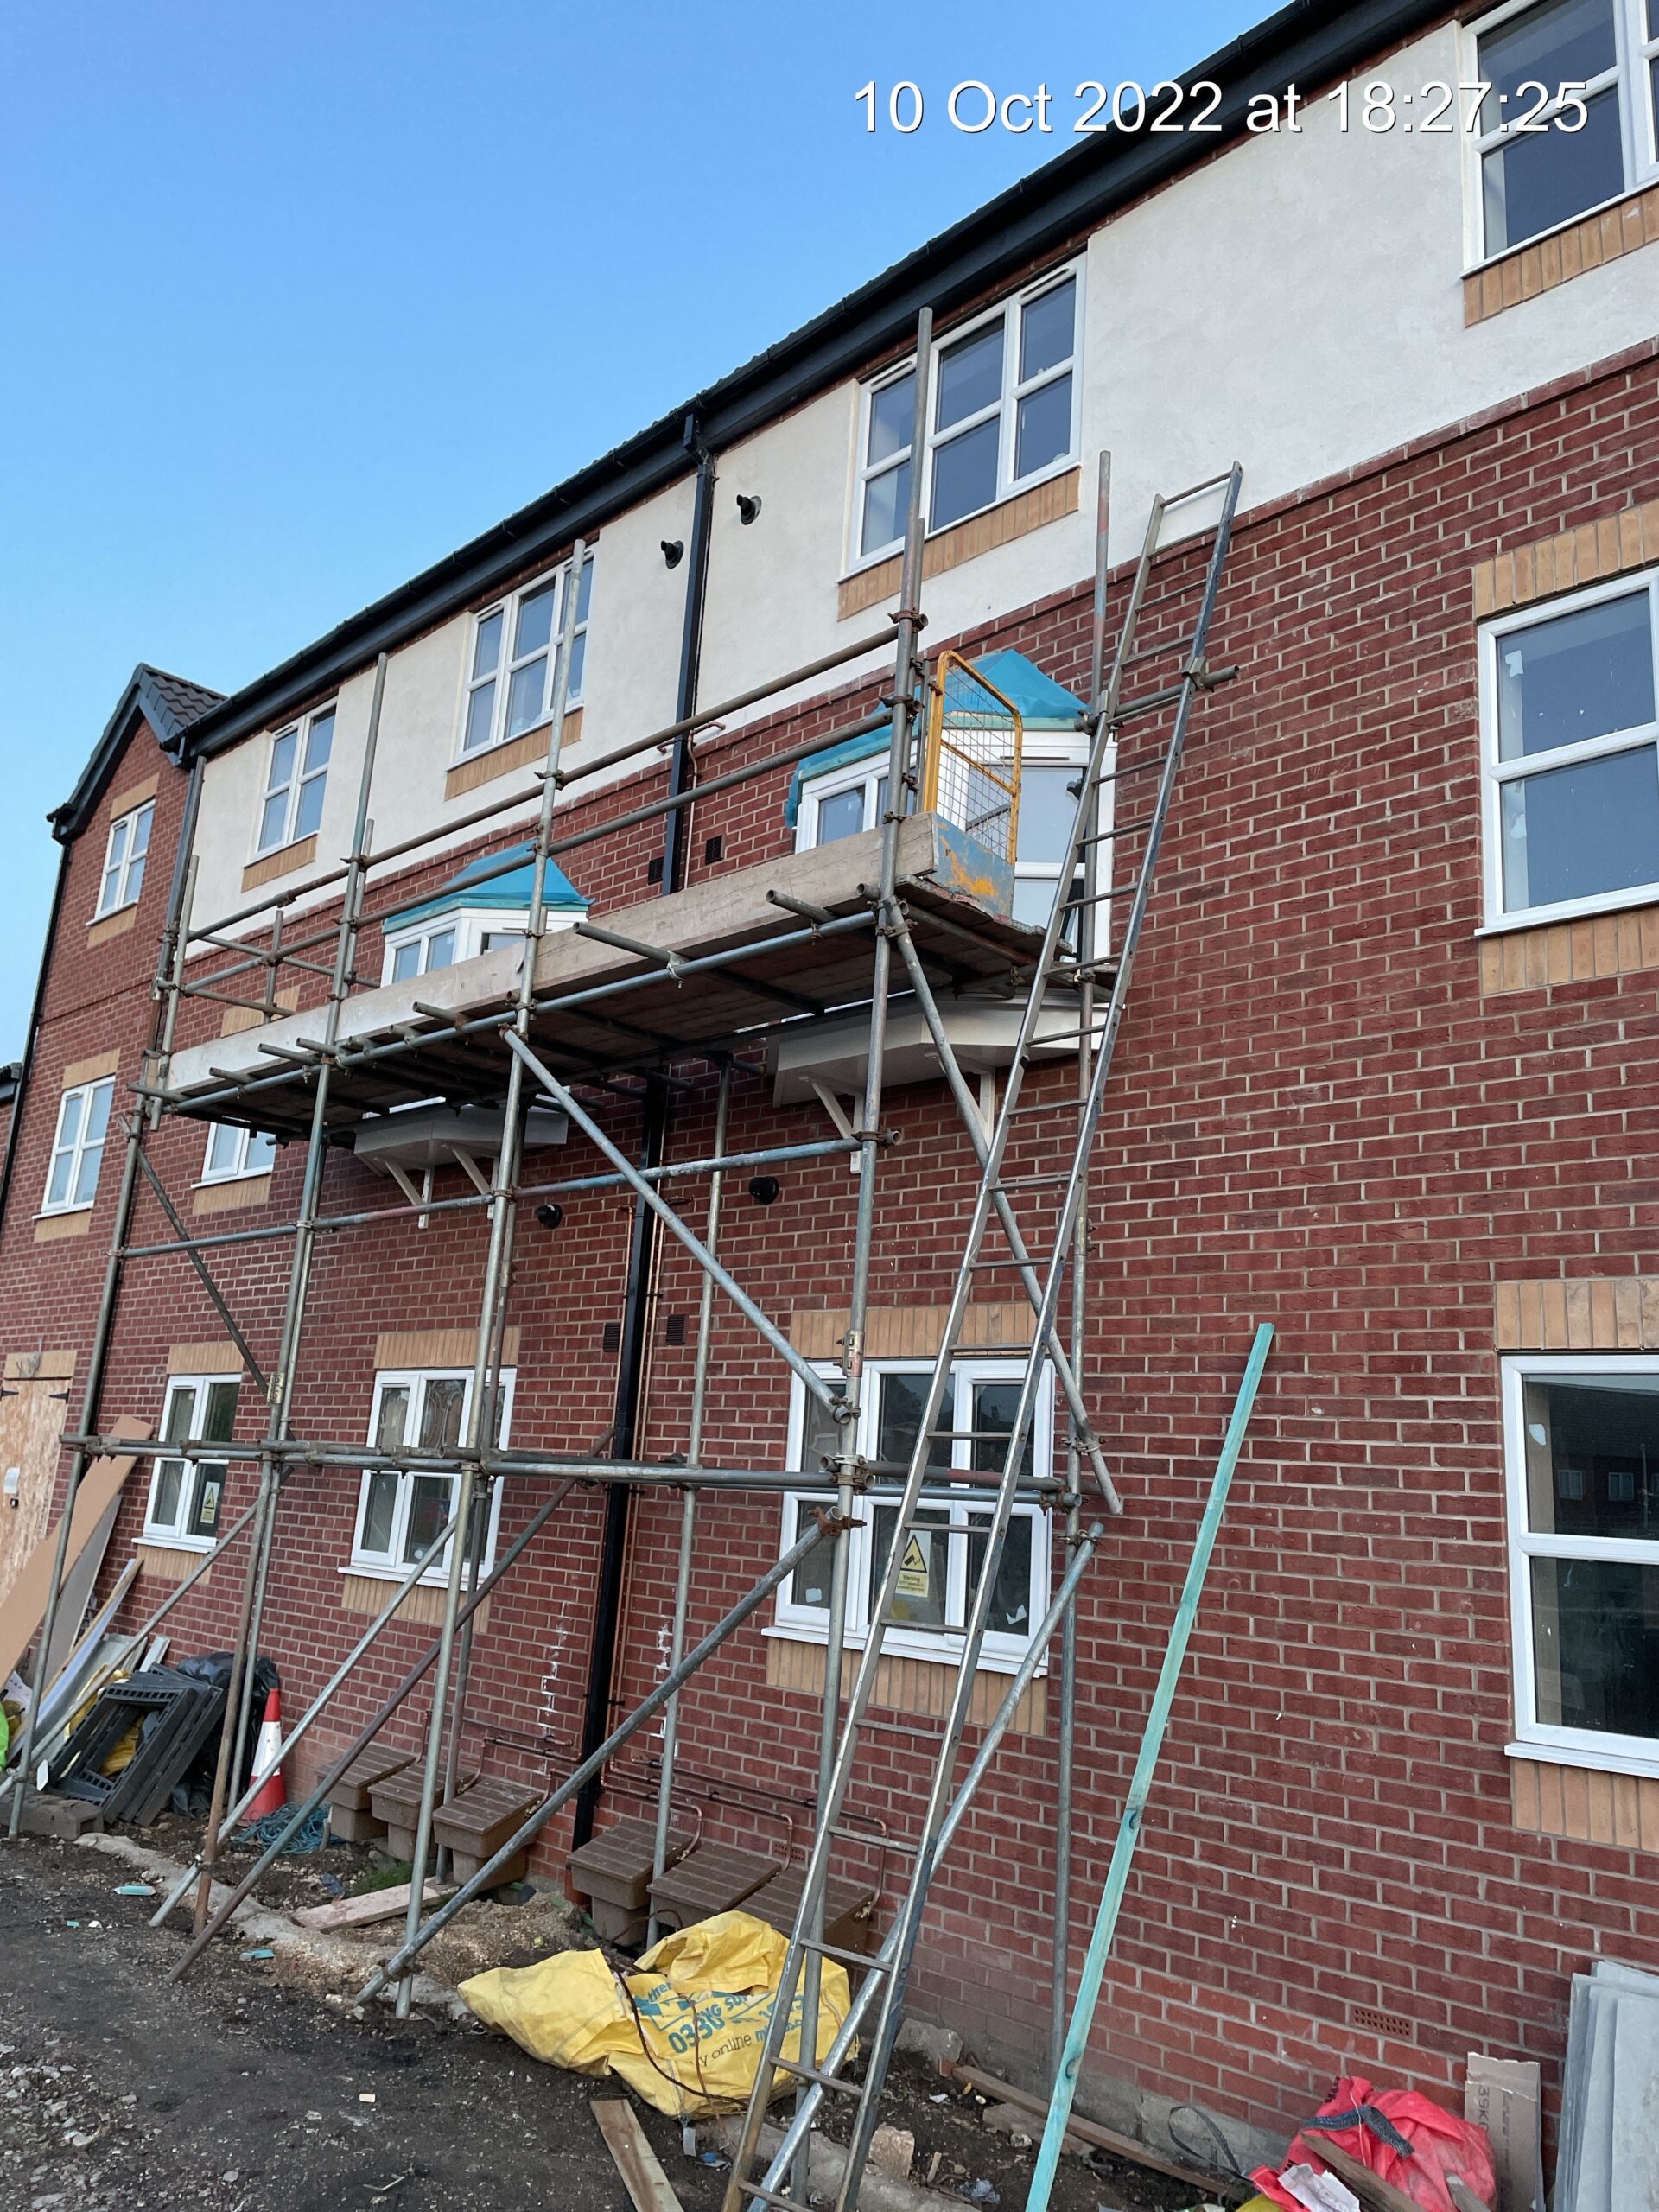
297	298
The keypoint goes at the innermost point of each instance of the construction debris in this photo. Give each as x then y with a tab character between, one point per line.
1396	2151
1609	2155
1505	2097
638	2163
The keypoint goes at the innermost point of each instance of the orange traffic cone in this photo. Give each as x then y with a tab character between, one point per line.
273	1793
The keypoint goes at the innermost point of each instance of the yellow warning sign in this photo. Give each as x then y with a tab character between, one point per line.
912	1572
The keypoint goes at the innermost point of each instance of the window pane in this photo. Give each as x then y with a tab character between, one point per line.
535	625
925	1572
1569	833
261	1150
141	822
487	647
820	1435
440	950
405	961
69	1115
1047	329
224	1148
118	845
209	1489
893	416
1048	813
1580	675
1595	1628
57	1188
886	497
428	1509
970	376
994	1409
1044	431
809	1584
220	1417
524	693
164	1507
480	709
97	1112
1592	1458
309	813
86	1176
1532	183
842	815
903	1399
441	1412
1010	1612
391	1428
135	879
109	891
320	744
1565	39
282	761
585	590
965	474
1033	899
378	1511
273	822
578	662
180	1415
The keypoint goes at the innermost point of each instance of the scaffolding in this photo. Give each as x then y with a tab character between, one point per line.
578	1017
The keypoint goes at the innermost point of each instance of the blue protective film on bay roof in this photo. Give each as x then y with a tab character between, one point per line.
510	891
1042	702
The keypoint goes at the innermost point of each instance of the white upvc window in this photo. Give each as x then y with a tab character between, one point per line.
1566	118
1004	410
510	676
941	1557
1582	1446
297	778
400	1514
185	1494
845	800
77	1147
1570	721
124	860
461	933
233	1153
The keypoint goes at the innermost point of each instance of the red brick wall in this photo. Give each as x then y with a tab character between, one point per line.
1316	1119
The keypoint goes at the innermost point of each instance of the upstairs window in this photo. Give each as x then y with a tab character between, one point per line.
185	1494
399	1514
941	1557
296	777
1002	412
1572	741
233	1153
77	1147
510	681
124	860
1567	111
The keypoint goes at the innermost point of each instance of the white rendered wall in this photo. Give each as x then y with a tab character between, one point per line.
1296	304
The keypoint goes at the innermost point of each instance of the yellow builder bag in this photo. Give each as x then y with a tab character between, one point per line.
685	2030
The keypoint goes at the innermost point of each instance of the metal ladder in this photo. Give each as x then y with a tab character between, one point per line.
1087	882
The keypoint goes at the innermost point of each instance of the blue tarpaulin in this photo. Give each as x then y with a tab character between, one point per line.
510	891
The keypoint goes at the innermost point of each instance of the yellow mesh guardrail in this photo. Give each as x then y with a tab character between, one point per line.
970	769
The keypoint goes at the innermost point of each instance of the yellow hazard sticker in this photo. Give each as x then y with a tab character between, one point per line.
913	1580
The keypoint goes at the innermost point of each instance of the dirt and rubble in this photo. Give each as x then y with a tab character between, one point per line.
250	2082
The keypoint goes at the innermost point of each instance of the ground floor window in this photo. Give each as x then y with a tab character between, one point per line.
1583	1449
185	1494
942	1558
400	1513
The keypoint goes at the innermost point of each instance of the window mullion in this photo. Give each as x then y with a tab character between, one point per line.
1568	756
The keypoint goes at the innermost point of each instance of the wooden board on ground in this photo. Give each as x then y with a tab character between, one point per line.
374	1904
24	1608
642	2175
32	1412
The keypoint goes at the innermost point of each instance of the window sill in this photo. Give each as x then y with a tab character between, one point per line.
155	1540
1050	499
528	750
117	923
282	859
1588	1759
1620	939
909	1643
1540	264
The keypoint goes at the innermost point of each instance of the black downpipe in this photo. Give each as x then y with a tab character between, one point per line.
634	1347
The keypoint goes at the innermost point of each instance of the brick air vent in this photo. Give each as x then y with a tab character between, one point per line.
714	849
654	870
1381	2023
611	1340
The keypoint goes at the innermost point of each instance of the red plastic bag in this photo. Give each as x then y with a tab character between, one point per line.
1399	2133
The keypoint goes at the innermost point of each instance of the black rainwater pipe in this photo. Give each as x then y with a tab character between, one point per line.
633	1362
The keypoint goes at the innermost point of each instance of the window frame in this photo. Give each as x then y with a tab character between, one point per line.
1012	308
301	776
390	1566
867	775
999	1653
507	605
471	925
121	868
1496	772
242	1172
1639	125
1535	1739
177	1535
78	1150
